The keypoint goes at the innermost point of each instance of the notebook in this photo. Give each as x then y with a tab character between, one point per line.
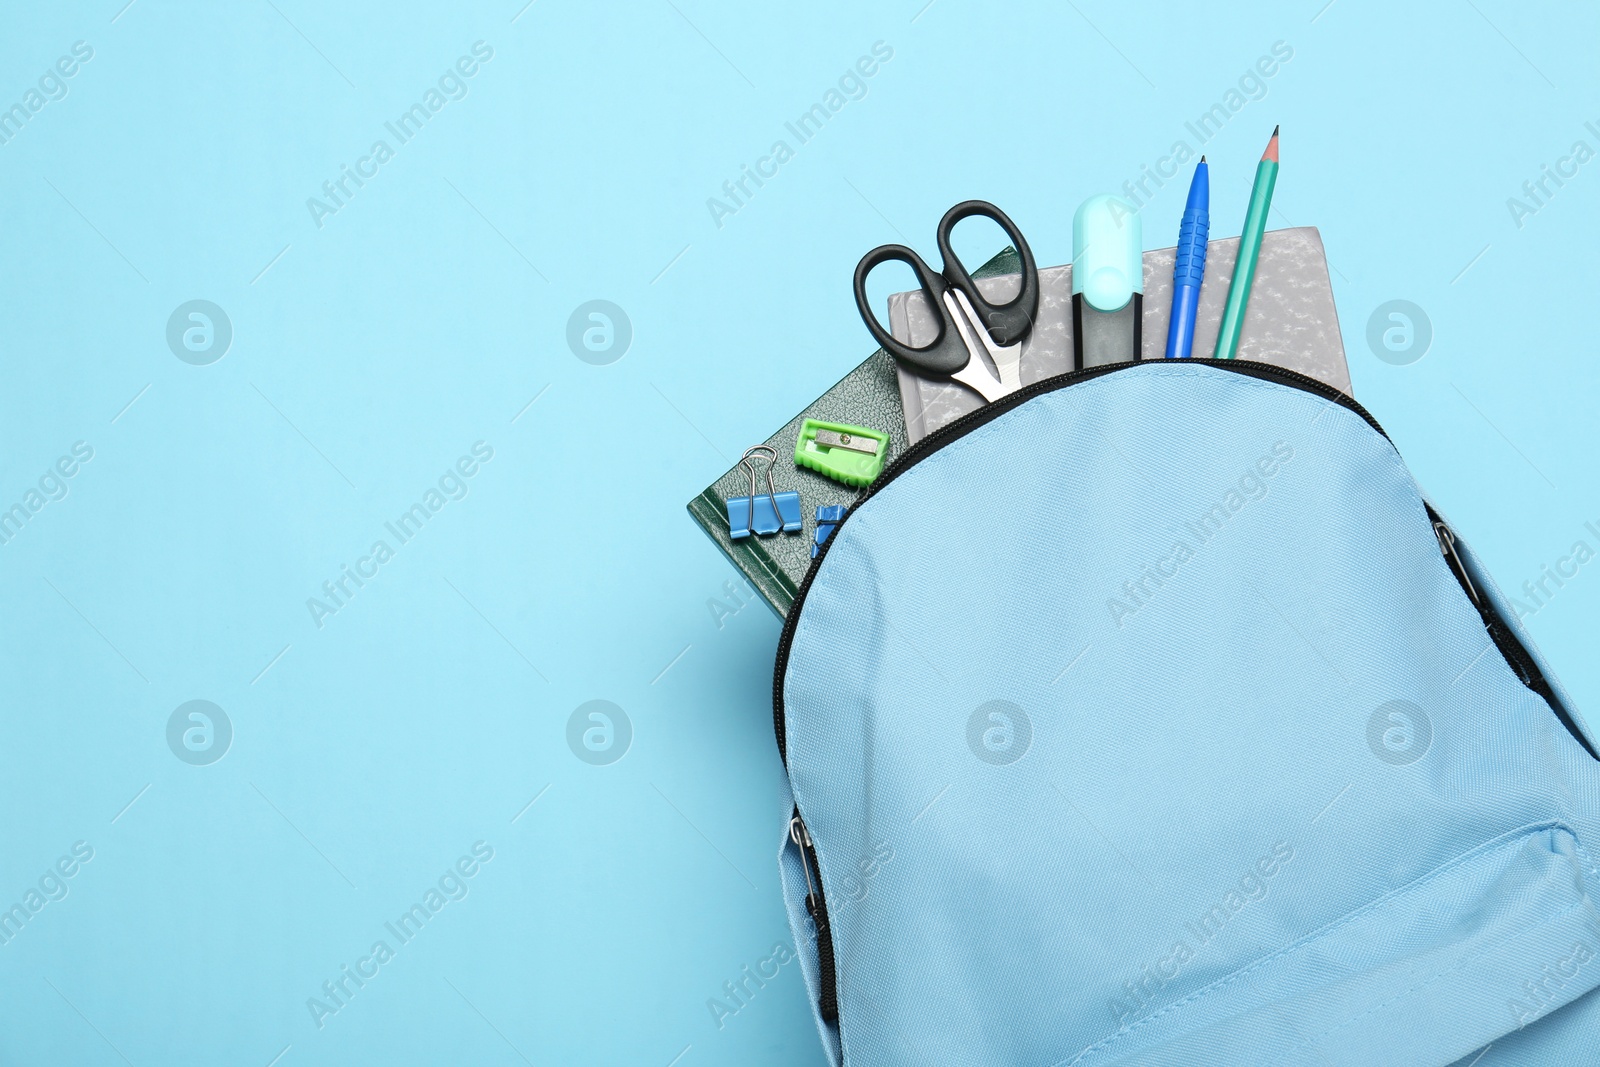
1291	322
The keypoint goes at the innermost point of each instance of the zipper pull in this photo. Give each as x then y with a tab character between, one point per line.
1447	545
828	994
799	835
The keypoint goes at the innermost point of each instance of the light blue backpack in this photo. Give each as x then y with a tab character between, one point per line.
1152	715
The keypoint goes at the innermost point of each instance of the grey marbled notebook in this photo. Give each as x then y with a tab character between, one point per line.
1291	321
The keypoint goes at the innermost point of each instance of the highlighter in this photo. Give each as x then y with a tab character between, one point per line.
1107	282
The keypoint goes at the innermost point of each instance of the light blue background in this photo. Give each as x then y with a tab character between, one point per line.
369	353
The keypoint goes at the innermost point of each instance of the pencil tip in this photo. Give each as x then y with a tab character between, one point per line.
1271	154
1202	159
1275	130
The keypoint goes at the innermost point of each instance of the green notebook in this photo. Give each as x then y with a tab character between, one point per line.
868	396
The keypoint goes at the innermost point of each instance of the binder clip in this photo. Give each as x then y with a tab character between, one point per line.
828	516
766	514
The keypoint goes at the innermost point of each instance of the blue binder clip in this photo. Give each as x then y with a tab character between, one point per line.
828	516
767	514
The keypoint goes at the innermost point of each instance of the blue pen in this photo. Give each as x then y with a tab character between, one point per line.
1189	266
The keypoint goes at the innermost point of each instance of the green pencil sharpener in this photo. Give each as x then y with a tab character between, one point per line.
853	455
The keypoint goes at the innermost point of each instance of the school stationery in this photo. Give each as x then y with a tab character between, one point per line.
827	518
1189	264
970	326
850	454
762	514
868	396
1107	282
1291	321
1244	267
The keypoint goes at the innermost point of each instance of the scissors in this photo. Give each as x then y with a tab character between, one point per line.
968	324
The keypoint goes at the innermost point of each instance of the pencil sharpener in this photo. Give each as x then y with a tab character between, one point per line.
854	455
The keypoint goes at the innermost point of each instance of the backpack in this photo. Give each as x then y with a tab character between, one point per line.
1152	715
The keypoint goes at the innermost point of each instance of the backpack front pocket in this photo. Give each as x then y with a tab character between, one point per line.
1481	946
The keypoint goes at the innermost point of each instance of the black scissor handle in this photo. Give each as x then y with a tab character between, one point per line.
1010	322
947	353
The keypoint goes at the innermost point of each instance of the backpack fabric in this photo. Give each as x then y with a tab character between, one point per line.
1153	716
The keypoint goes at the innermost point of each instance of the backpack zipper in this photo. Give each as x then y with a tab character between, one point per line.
827	994
1502	636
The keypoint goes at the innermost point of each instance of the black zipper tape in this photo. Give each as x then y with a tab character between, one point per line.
817	908
827	978
1504	638
1500	632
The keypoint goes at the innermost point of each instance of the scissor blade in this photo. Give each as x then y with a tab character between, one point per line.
1007	359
